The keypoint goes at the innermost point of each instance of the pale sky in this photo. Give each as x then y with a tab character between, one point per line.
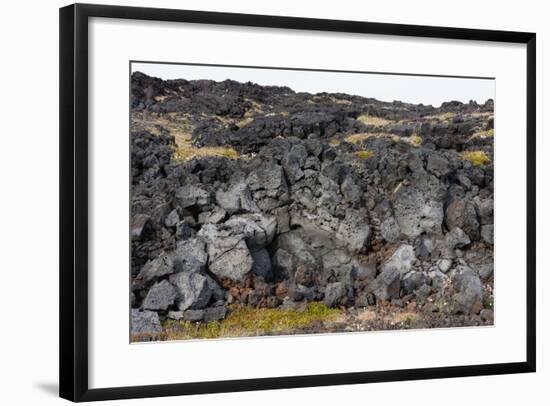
411	89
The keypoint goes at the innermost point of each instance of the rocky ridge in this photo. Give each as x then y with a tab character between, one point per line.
248	195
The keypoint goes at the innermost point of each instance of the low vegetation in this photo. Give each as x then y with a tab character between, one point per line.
251	321
364	154
361	137
373	120
442	117
415	140
484	134
477	158
187	152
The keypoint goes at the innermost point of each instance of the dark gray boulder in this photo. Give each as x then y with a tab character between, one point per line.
456	238
412	281
487	233
236	198
401	260
191	195
214	313
153	270
190	255
258	229
193	315
354	230
262	264
172	219
144	325
418	205
228	254
160	296
335	293
214	216
462	213
139	226
386	286
193	291
269	187
468	298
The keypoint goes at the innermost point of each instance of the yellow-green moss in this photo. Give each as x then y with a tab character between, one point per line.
249	321
477	158
364	154
415	140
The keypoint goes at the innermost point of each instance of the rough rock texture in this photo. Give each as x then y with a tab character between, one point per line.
144	325
261	196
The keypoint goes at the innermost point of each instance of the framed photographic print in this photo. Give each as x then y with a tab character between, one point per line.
256	202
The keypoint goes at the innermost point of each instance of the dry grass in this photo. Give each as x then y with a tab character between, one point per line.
477	158
334	142
483	134
484	114
244	122
187	152
361	137
374	121
179	126
367	315
406	318
442	117
250	321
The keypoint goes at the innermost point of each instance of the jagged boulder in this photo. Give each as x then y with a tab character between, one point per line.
160	296
468	298
144	325
192	290
228	254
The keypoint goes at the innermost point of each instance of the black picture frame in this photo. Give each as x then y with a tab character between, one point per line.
73	277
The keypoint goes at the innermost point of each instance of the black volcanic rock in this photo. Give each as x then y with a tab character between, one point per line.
264	196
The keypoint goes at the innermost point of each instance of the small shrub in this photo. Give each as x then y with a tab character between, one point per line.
477	158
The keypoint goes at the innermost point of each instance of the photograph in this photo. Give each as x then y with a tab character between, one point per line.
286	201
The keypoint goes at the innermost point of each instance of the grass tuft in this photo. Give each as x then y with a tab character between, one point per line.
361	137
484	134
477	158
373	120
187	152
244	122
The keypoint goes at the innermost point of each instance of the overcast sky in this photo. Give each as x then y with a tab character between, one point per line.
410	89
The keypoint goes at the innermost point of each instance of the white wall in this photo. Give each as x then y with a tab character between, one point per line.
29	183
